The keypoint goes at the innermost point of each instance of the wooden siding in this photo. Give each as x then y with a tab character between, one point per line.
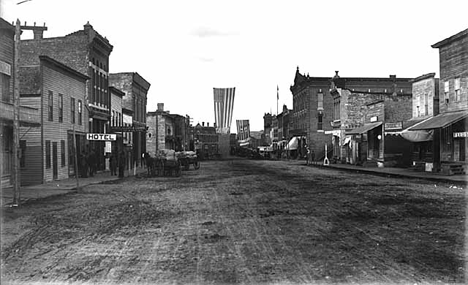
60	82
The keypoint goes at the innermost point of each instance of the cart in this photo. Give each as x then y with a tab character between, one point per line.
166	163
186	158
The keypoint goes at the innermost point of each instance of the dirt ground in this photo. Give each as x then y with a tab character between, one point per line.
241	222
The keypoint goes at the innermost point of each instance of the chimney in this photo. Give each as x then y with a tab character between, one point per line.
203	124
207	124
37	30
161	107
88	26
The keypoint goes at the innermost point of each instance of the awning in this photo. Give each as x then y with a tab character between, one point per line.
346	140
441	121
293	143
418	136
364	129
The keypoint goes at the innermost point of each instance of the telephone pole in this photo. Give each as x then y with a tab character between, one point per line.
16	128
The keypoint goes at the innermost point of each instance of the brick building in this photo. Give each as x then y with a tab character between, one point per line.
59	92
87	52
166	131
29	117
267	123
450	125
136	90
116	119
425	105
320	113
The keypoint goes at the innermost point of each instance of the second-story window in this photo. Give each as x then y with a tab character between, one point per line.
72	110
426	104
60	108
320	121
320	100
50	106
80	112
446	92
457	89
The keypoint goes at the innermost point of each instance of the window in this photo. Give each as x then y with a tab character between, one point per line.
337	109
457	89
426	104
446	92
5	87
320	121
22	145
320	100
60	108
80	112
47	151
62	152
50	105
72	110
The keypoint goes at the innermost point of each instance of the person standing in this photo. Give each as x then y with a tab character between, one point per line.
83	165
92	163
121	164
113	164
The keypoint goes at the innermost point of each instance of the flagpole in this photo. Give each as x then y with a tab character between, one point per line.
277	98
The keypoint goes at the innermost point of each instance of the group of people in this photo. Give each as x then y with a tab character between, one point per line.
88	164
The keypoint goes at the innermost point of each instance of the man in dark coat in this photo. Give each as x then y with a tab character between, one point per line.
92	163
113	164
121	164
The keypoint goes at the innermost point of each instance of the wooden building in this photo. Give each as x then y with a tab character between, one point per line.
450	125
29	117
87	52
59	92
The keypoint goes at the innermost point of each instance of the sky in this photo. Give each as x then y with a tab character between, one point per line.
185	48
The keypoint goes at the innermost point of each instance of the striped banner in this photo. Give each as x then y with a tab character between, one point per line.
243	129
223	108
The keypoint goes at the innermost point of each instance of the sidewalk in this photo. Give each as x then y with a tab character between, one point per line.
60	187
397	172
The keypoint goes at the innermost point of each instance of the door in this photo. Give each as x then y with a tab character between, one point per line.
55	160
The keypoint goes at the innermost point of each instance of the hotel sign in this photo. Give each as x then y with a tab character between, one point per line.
460	135
101	137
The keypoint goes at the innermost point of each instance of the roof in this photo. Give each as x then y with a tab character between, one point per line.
451	39
441	120
62	66
363	129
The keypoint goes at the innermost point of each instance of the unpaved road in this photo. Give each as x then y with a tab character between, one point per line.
241	221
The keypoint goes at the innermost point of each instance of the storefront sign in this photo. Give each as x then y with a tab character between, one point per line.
374	119
5	68
460	135
394	126
101	137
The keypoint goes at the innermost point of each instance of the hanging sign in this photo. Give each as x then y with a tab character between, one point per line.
101	137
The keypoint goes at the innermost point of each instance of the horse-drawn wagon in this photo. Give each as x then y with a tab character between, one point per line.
164	163
188	157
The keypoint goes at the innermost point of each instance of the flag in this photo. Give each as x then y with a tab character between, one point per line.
223	108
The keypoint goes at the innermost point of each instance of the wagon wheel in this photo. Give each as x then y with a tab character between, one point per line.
196	164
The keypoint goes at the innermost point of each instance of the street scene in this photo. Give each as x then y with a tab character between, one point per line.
241	221
233	142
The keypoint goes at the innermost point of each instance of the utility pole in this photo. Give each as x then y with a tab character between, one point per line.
16	129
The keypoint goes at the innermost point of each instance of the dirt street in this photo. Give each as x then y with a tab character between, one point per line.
241	221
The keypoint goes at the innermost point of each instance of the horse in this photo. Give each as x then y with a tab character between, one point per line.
149	163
